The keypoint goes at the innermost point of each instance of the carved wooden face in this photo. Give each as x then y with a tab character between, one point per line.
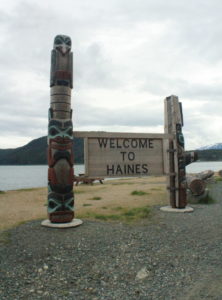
62	43
57	202
60	130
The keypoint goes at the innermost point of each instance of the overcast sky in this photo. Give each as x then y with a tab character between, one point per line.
128	56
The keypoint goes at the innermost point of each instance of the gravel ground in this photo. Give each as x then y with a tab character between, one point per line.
171	256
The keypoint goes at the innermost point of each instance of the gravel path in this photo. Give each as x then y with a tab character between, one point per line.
171	256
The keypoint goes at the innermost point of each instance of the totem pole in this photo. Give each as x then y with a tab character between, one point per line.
60	134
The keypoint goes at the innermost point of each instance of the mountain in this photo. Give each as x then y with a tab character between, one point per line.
35	153
217	146
210	153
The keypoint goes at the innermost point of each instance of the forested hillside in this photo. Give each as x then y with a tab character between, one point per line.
35	153
209	155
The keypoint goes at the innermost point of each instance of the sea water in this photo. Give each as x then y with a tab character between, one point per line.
23	177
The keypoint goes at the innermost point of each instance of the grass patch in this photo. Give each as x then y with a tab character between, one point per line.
28	190
95	198
138	212
156	189
126	215
218	179
139	193
118	208
5	237
107	217
87	204
104	207
78	192
207	200
2	192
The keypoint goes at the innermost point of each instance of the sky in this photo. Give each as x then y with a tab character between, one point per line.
128	57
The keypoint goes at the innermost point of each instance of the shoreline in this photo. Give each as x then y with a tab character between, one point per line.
35	176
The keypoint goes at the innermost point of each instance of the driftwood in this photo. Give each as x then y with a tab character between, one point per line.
197	183
205	174
220	173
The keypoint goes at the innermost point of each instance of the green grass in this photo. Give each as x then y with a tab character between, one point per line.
138	212
139	193
118	208
156	189
95	198
107	217
104	207
207	200
2	192
5	237
218	179
28	190
126	215
78	192
87	204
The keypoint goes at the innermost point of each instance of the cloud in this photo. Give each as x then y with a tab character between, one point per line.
128	56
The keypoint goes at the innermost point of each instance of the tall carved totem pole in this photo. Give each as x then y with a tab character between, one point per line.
60	134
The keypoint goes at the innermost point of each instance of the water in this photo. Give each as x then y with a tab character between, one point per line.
203	166
22	177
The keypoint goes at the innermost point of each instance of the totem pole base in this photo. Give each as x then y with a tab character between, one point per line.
73	223
187	209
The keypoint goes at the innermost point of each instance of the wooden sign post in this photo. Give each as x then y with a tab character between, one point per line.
176	157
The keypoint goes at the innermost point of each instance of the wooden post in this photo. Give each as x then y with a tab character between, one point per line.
176	155
60	137
169	152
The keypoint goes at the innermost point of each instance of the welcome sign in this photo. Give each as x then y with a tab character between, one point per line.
123	154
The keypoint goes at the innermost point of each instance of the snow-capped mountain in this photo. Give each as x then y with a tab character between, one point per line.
217	146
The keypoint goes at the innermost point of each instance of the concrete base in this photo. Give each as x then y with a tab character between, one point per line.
74	223
177	210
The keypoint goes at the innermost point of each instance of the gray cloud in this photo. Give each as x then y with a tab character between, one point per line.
148	48
128	116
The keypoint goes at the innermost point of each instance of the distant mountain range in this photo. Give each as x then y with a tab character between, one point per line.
210	153
35	153
217	146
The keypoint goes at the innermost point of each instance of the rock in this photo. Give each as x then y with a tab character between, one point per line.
143	273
